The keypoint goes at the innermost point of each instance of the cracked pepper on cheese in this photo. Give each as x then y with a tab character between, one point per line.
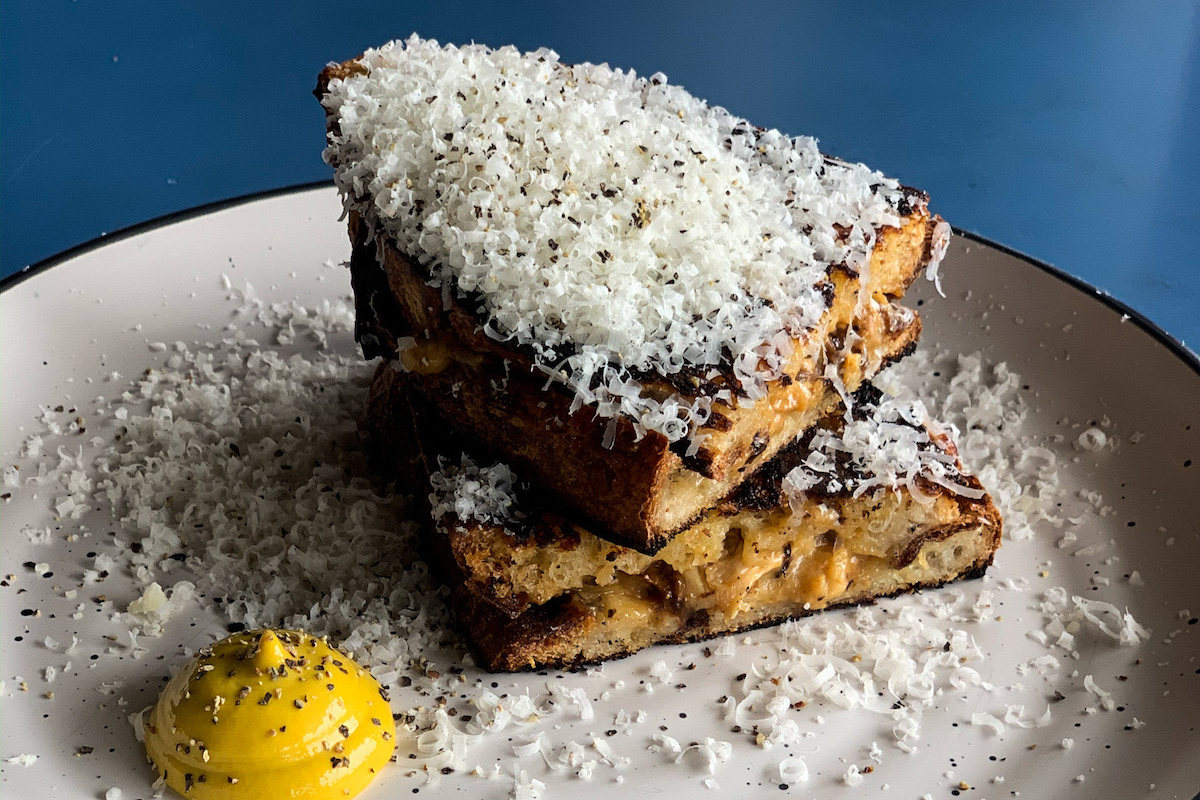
613	225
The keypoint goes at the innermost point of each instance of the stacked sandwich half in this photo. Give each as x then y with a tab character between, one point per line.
627	340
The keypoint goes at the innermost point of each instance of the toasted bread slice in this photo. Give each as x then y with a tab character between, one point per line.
639	491
533	588
571	632
667	293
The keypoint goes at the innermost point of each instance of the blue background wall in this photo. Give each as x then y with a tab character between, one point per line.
1067	131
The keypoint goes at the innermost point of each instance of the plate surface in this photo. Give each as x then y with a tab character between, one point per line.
65	330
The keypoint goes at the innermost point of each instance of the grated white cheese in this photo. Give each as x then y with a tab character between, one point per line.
609	223
988	721
238	394
154	607
665	743
472	492
1065	613
892	665
282	518
1090	684
32	446
526	787
58	647
24	759
711	751
530	748
889	446
609	755
793	770
661	672
1017	715
983	405
1092	439
37	535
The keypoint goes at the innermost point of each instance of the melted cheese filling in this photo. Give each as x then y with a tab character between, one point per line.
761	565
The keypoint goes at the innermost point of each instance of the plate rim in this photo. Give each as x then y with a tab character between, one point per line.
1174	345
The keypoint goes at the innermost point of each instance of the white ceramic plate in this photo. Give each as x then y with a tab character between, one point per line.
1084	357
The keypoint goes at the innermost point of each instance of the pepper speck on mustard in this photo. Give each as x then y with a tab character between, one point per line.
271	714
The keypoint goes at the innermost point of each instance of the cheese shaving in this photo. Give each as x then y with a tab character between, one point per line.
152	610
793	770
892	665
711	751
24	759
1065	613
988	721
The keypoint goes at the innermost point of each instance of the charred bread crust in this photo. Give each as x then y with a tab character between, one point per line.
392	441
373	303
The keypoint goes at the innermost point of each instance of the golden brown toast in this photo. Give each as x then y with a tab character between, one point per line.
534	588
639	491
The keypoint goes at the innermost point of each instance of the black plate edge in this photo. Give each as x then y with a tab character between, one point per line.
153	224
1175	346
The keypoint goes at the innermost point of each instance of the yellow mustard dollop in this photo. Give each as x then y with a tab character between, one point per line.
271	714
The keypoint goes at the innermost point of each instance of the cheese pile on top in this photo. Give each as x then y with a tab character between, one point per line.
610	224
